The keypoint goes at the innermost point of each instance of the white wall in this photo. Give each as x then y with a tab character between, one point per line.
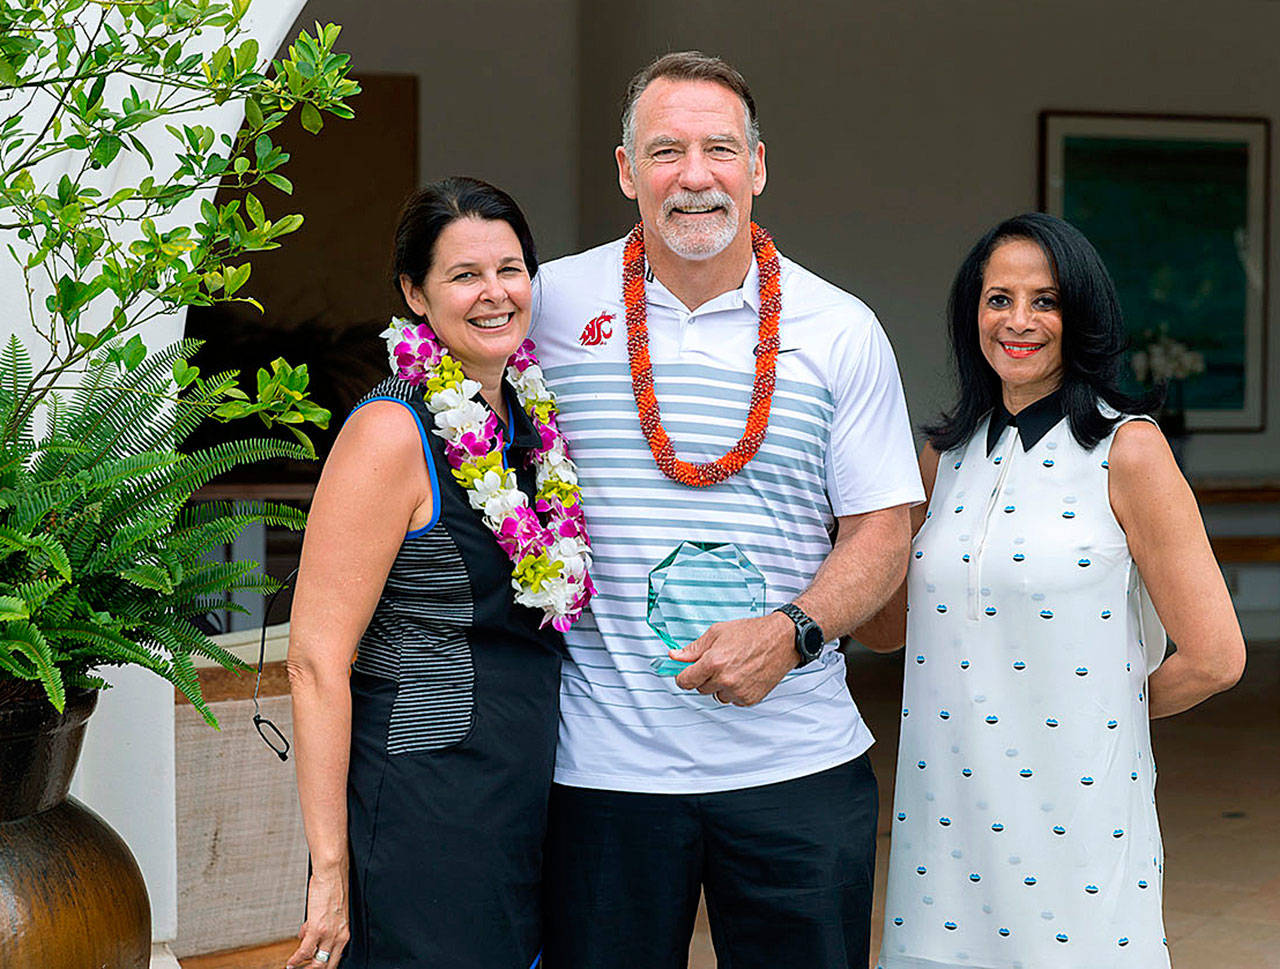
497	93
899	130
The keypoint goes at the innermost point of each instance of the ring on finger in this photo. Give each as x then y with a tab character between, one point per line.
322	956
716	697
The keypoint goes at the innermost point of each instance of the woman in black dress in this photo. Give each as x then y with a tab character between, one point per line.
424	767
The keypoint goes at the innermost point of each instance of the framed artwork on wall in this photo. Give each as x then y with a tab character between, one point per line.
1177	206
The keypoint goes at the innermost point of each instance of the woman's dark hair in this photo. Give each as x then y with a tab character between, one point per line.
434	207
1093	335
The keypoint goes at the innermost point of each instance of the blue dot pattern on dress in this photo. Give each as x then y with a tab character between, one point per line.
1039	846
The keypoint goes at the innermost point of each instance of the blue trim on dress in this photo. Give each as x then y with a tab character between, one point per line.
508	435
431	463
537	961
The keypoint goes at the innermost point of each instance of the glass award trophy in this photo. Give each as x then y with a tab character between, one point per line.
698	585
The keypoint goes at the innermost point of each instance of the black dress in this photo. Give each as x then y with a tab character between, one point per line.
455	702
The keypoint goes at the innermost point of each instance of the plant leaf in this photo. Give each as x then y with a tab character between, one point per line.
11	607
148	577
27	640
311	120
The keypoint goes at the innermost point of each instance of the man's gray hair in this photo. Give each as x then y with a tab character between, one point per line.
690	65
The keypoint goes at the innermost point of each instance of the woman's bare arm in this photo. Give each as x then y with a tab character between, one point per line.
1155	507
373	489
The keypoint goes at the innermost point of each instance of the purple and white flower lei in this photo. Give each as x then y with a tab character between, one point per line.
547	544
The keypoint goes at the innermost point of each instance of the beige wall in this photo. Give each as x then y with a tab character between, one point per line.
497	94
896	131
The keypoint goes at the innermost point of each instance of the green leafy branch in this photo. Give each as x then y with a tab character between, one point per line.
88	246
105	558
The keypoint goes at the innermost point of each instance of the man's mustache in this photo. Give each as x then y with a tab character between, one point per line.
711	198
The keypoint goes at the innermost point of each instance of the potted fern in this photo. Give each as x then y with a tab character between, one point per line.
104	558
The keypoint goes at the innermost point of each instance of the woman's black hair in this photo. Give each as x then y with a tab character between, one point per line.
1093	335
434	207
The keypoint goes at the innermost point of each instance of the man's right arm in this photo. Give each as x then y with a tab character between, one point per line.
886	631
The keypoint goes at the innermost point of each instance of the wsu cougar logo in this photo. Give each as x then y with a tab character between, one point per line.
596	331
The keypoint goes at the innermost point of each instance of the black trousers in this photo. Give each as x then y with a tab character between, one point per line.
787	870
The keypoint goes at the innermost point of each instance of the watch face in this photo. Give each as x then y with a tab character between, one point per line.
813	640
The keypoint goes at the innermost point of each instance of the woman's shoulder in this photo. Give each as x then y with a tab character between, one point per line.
386	419
1137	443
1132	435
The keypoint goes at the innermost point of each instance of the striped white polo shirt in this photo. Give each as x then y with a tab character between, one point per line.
839	443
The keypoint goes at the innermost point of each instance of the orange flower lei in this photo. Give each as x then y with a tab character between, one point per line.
736	458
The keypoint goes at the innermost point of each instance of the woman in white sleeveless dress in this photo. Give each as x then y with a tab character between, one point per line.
1025	832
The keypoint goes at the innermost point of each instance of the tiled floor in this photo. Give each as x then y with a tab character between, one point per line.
1219	800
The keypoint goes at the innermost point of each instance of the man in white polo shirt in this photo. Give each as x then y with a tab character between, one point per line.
728	411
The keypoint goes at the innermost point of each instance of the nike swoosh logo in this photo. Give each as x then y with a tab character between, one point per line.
756	351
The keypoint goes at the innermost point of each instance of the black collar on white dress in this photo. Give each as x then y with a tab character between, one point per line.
1033	422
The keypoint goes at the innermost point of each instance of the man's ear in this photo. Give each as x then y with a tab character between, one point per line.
413	295
626	180
758	177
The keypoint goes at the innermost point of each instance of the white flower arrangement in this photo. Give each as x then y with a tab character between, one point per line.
1163	359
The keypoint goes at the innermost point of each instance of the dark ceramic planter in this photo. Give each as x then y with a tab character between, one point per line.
71	894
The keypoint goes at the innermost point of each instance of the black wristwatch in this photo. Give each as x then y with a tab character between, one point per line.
809	638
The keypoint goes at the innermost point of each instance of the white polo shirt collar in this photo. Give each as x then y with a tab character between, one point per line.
747	295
